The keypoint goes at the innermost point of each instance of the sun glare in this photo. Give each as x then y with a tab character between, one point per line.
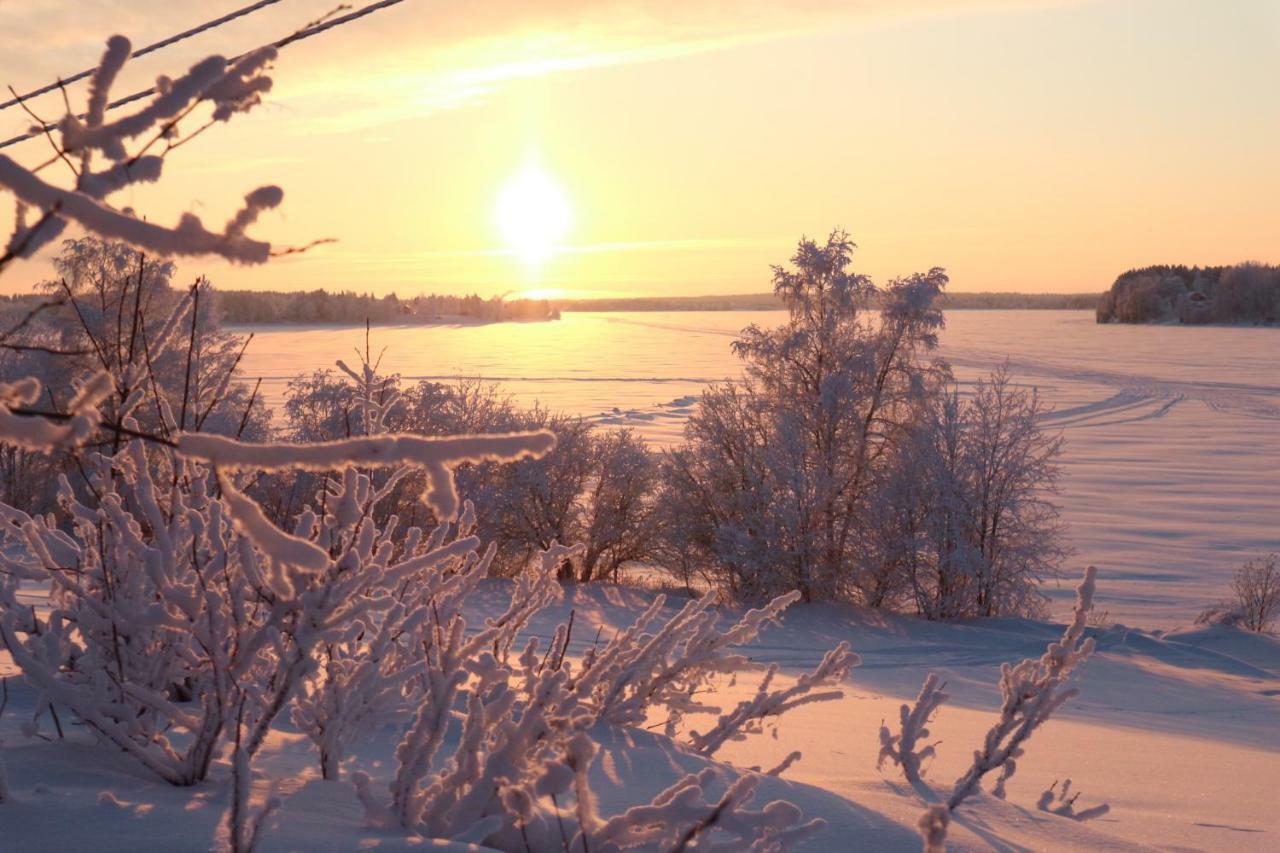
532	214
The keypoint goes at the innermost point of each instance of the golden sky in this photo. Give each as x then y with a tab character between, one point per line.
1033	146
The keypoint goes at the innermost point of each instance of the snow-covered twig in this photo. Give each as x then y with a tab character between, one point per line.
230	88
1032	691
188	237
900	748
749	716
1063	803
679	816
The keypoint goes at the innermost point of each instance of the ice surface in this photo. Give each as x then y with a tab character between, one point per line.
1173	433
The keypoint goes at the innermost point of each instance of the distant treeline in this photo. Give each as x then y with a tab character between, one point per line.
321	306
238	307
767	301
1243	293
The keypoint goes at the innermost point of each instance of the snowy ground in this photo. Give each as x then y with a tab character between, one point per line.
1173	433
1177	732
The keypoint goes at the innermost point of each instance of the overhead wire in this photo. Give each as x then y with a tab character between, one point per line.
304	33
143	51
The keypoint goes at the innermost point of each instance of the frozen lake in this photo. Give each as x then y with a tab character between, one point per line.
1172	463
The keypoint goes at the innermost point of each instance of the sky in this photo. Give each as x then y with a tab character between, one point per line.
1024	145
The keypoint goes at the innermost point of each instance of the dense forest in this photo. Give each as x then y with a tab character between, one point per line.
1243	293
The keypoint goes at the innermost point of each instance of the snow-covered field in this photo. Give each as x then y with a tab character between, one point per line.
1177	733
1173	433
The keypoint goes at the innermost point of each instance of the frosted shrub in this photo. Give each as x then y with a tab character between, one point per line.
1255	598
845	463
197	621
525	735
967	518
1256	593
106	312
595	487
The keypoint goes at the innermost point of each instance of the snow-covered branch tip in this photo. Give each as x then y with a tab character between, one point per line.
229	87
438	457
679	818
32	432
901	748
1063	803
282	548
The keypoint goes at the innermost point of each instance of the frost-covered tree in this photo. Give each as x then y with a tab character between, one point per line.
779	468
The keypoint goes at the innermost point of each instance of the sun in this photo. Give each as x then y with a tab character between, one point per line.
532	214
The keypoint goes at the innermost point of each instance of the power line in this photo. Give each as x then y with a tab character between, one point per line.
304	33
151	48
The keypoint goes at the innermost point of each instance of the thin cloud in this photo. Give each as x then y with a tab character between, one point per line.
423	57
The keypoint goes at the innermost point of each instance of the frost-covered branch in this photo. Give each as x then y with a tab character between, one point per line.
1032	691
188	237
44	434
901	748
669	667
678	817
750	714
436	456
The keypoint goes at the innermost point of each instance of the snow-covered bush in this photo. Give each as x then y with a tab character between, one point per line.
1254	603
968	527
190	622
596	487
780	467
1256	593
1031	692
526	731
